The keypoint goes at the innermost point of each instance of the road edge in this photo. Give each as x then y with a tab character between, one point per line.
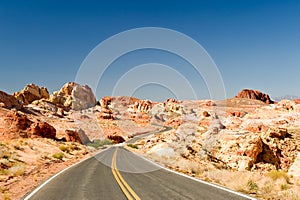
196	179
36	189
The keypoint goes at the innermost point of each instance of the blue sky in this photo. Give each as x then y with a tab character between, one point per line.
255	44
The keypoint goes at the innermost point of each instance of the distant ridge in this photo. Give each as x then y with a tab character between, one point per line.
287	97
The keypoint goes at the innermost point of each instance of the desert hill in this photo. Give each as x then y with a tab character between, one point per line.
248	136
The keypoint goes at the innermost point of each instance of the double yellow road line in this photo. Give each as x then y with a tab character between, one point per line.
127	190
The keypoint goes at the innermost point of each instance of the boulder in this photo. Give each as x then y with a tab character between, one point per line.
116	138
254	94
78	136
42	129
8	101
31	93
83	97
74	96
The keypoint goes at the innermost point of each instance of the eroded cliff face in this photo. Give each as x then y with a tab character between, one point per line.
254	94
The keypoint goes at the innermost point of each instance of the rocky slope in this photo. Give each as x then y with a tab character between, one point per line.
247	137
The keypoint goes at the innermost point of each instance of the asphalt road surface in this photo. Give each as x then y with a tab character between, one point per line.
117	173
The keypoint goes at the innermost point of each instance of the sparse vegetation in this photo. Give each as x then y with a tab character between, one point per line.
17	169
58	156
133	146
99	143
267	188
252	186
277	175
64	148
284	186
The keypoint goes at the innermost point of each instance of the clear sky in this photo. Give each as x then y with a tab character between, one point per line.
255	43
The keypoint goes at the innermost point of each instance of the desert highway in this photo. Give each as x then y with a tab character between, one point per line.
117	173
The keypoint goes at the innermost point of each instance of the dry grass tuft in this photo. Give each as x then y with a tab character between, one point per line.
275	175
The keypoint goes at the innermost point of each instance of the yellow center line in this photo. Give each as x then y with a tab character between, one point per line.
127	190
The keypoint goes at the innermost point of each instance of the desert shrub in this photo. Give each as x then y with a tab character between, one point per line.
73	147
58	156
267	189
284	186
278	174
289	195
133	146
17	170
64	148
252	186
6	196
4	171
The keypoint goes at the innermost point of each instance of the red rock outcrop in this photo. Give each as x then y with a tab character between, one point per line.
297	101
254	94
77	136
42	129
116	138
256	127
8	101
173	122
236	113
105	114
31	93
105	102
140	118
142	106
205	114
15	125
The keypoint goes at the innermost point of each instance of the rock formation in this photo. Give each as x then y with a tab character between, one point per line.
77	136
42	129
105	102
74	96
105	114
16	124
172	105
31	93
254	94
236	151
142	106
48	108
286	105
297	101
8	101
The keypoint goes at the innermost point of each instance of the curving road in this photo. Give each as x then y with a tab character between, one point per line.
117	173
